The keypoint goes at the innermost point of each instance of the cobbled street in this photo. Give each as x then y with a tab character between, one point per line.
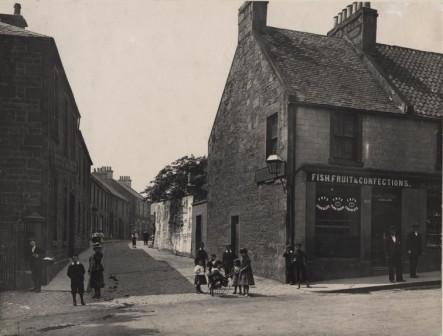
152	294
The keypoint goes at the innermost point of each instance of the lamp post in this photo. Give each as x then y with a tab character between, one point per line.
275	166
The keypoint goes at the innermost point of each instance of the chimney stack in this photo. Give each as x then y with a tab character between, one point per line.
357	23
15	19
251	18
126	180
104	172
17	9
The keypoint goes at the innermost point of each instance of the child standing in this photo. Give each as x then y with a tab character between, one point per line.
200	278
235	276
301	261
211	262
246	276
76	272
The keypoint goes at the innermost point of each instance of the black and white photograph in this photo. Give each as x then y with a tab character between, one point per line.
221	167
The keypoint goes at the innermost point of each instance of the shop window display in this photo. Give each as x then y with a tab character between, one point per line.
337	222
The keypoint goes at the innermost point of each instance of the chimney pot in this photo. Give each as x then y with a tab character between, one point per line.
360	4
339	18
335	21
367	4
349	10
344	14
17	9
354	6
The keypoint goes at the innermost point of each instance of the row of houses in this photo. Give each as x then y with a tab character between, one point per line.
47	191
324	140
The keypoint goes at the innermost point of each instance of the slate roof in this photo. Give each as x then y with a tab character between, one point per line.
130	190
418	75
105	183
328	71
7	29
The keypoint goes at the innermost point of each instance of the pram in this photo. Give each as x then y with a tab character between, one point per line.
217	283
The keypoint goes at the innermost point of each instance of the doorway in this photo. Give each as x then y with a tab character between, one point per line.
198	232
386	212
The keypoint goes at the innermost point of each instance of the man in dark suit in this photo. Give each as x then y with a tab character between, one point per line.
228	260
290	260
36	264
393	255
414	250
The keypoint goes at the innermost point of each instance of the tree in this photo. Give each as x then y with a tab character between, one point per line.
184	176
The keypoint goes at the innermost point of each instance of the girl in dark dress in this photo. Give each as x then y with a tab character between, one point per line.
96	272
76	272
246	277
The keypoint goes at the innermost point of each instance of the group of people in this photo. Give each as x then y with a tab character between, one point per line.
393	252
76	272
134	238
296	262
216	273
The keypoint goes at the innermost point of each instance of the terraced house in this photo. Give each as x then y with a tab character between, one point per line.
354	130
44	161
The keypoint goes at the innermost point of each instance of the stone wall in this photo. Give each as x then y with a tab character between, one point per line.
386	140
173	225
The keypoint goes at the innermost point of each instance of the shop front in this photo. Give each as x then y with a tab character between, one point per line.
349	213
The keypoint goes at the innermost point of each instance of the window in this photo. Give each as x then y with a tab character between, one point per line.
433	221
337	221
439	148
66	127
56	107
271	134
55	204
345	137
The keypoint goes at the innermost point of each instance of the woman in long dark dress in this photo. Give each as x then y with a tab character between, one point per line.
246	277
96	272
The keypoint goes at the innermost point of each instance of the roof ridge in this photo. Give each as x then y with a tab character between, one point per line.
305	33
412	49
20	31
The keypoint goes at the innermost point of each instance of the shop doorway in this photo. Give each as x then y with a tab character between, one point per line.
386	212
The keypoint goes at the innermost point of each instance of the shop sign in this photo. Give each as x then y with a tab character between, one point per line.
378	181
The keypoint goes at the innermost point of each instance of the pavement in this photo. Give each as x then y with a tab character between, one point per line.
142	280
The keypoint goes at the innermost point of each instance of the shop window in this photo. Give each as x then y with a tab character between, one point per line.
345	138
337	221
433	221
271	134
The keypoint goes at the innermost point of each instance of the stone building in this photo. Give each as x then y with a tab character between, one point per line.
357	125
138	216
140	213
109	209
44	161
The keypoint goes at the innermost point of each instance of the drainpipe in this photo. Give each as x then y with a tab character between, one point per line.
290	173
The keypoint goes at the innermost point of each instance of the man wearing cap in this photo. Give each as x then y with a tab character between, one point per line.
290	260
393	255
36	264
414	250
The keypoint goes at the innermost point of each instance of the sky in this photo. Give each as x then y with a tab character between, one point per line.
148	75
